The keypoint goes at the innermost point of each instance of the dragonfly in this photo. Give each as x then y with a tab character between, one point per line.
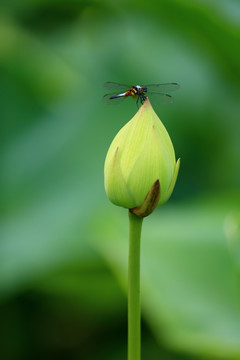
119	92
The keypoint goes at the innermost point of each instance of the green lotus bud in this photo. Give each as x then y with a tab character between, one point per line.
140	168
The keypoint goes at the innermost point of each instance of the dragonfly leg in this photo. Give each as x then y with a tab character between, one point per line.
142	99
137	102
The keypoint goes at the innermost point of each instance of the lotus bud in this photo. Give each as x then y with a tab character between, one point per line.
140	169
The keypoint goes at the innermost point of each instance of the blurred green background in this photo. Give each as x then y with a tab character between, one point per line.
63	245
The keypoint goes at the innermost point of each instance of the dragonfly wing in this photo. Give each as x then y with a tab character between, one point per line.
160	98
162	88
115	86
113	99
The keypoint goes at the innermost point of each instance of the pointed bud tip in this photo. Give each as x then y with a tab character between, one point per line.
147	102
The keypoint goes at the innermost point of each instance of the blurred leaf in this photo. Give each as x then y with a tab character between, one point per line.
189	285
37	69
232	231
88	285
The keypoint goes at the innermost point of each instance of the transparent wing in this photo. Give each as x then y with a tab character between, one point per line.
162	88
160	98
107	99
115	86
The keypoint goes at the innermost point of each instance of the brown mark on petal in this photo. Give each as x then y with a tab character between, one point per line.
150	202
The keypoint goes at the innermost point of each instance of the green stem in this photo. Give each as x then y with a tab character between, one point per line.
134	311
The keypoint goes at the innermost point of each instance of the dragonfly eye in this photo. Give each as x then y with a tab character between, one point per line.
144	89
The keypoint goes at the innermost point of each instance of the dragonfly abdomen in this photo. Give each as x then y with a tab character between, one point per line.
118	95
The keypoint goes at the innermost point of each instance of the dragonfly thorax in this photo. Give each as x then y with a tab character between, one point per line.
139	90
